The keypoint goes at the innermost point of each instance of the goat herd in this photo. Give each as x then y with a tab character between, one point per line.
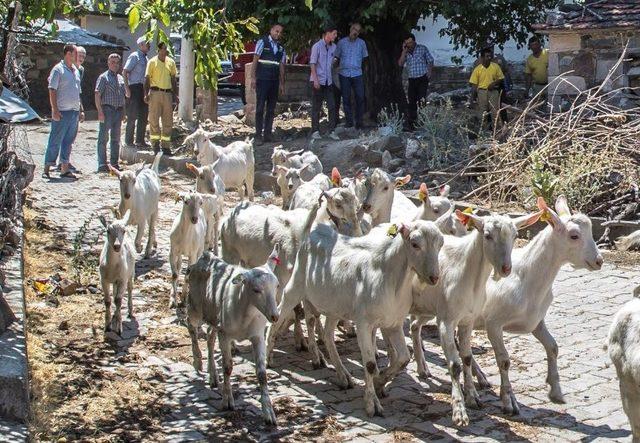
360	253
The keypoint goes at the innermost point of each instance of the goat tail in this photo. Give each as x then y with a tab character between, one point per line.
156	162
629	242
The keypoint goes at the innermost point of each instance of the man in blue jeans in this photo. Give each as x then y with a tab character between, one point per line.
110	100
64	97
351	52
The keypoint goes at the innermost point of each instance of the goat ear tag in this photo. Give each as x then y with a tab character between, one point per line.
545	217
422	196
392	231
237	279
276	260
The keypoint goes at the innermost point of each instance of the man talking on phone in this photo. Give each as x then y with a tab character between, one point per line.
419	63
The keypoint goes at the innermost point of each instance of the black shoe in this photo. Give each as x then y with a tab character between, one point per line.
268	139
102	169
68	174
143	145
167	152
257	140
71	168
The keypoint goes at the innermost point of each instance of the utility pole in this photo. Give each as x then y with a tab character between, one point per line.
185	90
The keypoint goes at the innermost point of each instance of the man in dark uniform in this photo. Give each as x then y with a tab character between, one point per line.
268	79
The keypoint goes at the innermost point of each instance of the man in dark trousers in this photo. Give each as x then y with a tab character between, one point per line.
137	110
268	79
419	63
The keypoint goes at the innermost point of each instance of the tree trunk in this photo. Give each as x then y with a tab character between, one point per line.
207	104
383	76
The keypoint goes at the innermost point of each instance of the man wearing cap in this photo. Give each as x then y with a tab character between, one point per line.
160	89
268	79
137	109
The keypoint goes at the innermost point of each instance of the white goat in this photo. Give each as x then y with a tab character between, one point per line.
290	179
519	303
237	168
629	242
307	194
236	303
296	159
208	182
250	232
381	194
117	270
140	194
457	300
367	280
187	237
206	151
624	351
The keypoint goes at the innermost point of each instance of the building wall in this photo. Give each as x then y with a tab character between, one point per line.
38	59
116	27
579	61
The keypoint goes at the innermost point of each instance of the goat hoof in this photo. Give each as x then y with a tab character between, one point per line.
459	416
213	383
138	248
269	416
556	397
302	347
228	404
424	375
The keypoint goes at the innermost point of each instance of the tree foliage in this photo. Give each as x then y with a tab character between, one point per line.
205	22
471	22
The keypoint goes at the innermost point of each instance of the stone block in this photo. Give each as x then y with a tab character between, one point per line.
564	42
570	84
554	64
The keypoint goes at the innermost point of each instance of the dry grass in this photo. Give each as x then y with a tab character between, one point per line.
589	152
79	386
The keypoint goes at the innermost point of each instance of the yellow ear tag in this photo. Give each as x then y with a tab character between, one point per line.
469	221
545	217
392	231
422	196
334	182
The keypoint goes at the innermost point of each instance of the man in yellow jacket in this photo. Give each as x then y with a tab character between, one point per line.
160	90
485	83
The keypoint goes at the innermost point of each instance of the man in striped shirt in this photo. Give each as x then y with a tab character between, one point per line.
419	63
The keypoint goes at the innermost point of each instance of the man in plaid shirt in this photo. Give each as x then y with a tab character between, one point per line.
419	62
110	100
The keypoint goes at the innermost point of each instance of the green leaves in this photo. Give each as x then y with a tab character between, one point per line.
204	22
309	4
134	18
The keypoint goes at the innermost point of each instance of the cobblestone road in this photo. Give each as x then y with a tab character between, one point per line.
579	319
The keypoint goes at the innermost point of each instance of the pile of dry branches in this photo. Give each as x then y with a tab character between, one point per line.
590	153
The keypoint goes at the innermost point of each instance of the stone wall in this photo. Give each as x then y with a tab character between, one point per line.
296	88
37	59
579	61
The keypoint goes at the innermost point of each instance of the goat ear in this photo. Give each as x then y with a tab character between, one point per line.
336	178
401	181
549	215
240	278
276	148
423	194
282	169
470	220
126	217
562	207
404	230
115	172
305	167
527	220
193	168
103	221
444	190
274	257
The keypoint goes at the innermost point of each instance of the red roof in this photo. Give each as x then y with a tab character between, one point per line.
594	14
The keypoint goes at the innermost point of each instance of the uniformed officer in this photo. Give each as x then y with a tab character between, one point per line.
268	79
160	90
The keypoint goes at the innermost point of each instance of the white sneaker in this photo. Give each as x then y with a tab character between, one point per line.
333	136
316	135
